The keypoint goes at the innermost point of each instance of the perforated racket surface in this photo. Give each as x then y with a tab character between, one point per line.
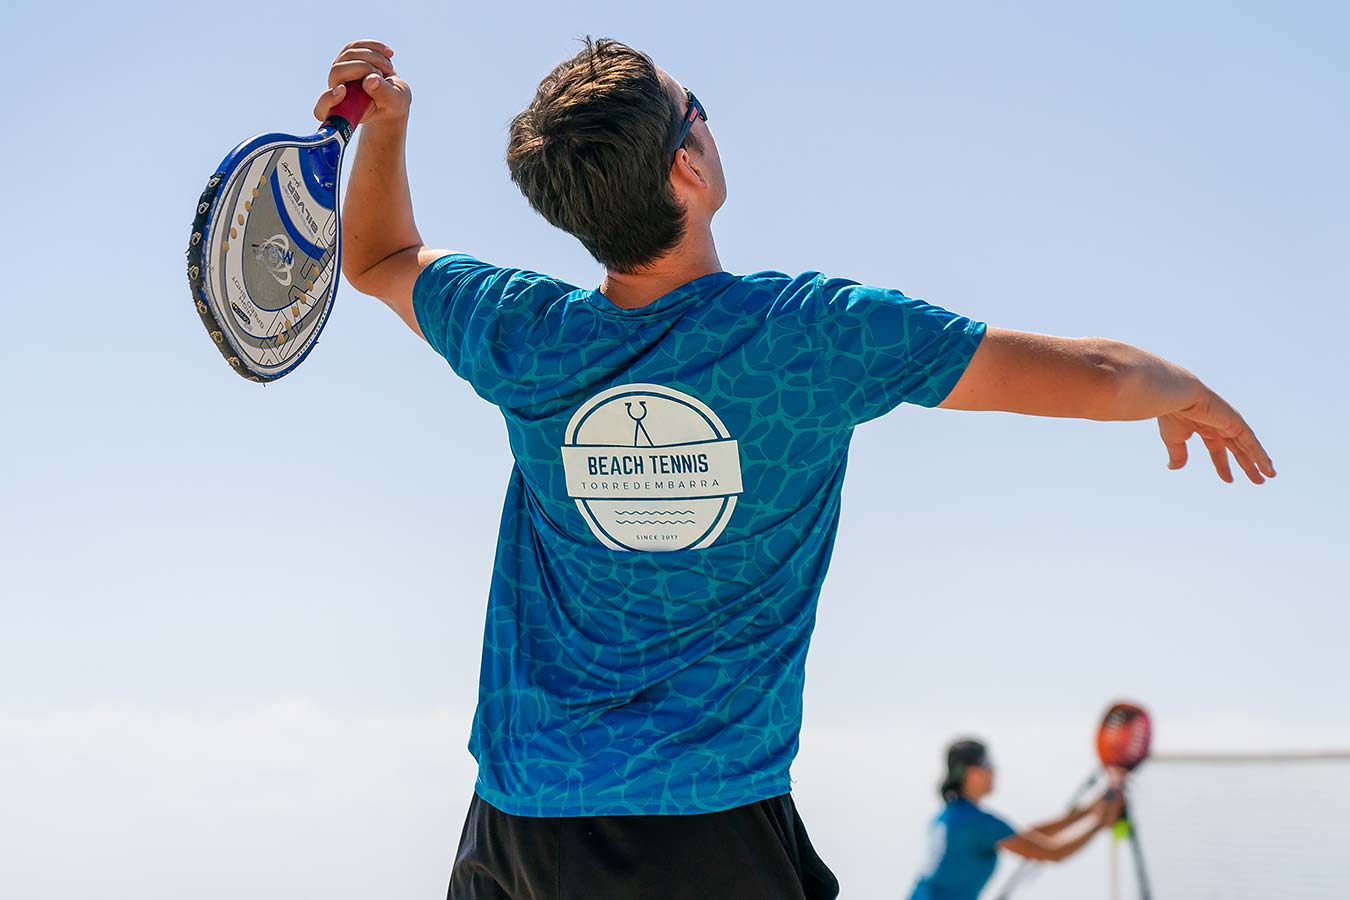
266	246
1125	736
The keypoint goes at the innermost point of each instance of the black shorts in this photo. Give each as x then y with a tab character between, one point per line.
754	852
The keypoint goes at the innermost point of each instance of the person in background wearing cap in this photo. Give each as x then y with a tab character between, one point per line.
965	839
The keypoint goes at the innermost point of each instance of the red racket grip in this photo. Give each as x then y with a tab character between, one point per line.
353	105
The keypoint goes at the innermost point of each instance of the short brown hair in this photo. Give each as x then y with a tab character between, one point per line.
592	154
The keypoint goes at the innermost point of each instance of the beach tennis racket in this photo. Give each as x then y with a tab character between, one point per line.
1124	738
1123	742
264	257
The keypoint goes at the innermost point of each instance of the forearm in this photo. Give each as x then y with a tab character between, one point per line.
1042	844
1080	378
1055	826
1070	841
1096	378
377	215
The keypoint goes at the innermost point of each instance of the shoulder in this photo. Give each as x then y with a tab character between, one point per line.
781	297
959	809
460	272
464	305
994	823
974	824
965	811
813	297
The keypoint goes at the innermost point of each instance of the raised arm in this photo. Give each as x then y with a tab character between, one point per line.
1096	378
382	251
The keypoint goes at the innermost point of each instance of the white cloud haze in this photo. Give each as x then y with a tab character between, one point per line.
290	800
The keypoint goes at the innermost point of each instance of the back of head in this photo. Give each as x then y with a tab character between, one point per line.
961	755
592	154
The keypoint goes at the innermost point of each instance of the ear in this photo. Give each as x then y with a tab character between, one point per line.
688	169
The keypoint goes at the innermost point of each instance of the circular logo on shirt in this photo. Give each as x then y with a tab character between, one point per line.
651	468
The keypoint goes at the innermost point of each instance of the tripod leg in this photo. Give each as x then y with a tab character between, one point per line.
1137	854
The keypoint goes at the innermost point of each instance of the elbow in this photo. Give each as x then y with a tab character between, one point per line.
372	275
356	275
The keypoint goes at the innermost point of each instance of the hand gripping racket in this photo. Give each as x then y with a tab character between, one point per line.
1123	740
265	253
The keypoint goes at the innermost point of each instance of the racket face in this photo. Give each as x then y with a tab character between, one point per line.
1124	737
265	250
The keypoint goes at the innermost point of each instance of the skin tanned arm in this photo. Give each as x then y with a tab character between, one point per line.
1061	838
382	250
1096	378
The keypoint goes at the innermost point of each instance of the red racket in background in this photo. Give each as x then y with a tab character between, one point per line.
1123	743
1124	738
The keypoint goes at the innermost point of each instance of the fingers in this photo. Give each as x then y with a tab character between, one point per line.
382	61
1224	432
378	89
1176	454
1223	421
1218	452
343	71
1245	460
1174	436
329	99
1256	467
378	59
1246	440
367	61
379	47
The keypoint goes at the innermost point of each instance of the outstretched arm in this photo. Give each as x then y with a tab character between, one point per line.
1055	826
382	251
1096	378
1058	839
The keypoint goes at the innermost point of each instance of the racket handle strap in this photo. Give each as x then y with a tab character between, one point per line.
353	106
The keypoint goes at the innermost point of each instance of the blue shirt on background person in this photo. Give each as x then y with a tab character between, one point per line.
964	839
963	852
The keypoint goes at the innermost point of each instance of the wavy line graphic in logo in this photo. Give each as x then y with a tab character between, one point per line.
651	468
276	254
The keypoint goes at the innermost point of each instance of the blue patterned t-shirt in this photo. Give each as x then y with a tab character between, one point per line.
669	518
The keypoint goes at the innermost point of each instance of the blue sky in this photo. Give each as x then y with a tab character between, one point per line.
201	578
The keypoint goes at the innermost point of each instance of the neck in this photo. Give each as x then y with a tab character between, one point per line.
693	257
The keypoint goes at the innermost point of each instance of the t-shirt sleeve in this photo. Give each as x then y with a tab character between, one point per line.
480	317
989	829
883	348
